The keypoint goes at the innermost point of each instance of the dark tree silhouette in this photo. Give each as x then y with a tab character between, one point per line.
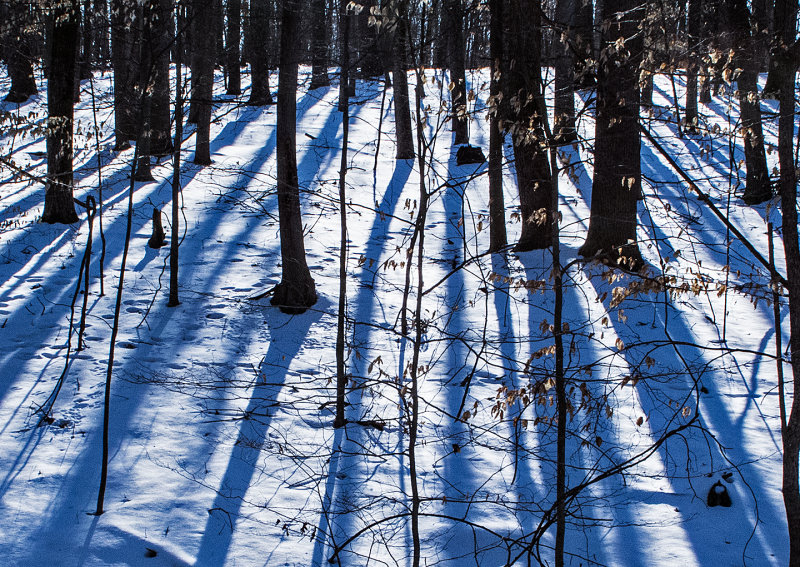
122	50
232	39
58	202
296	292
617	167
260	12
402	110
203	65
497	214
456	62
524	114
16	50
319	46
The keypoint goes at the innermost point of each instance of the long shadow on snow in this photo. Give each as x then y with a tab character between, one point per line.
62	512
287	334
347	473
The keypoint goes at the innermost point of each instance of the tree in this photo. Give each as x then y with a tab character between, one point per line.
757	186
402	110
203	65
497	215
456	61
58	202
160	117
122	49
573	48
694	21
16	50
232	40
319	46
296	292
526	109
617	168
260	12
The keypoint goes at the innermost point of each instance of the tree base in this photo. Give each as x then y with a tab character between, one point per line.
294	298
533	242
757	195
17	97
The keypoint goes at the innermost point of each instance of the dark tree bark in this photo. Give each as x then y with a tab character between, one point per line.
319	46
617	168
203	65
122	49
456	62
16	50
497	214
260	12
296	292
345	20
785	66
573	49
757	188
402	110
145	94
369	55
525	111
160	117
694	29
232	41
58	202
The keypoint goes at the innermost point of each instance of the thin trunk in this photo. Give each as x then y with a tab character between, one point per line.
691	115
232	41
174	242
319	46
497	215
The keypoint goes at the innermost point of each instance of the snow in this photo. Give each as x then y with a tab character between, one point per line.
222	446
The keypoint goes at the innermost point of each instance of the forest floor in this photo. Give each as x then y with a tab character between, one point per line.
222	446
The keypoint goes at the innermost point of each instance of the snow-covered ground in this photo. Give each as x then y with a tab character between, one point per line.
222	446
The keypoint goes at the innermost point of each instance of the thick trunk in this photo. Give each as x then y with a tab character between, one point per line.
260	13
232	41
17	51
523	83
160	118
456	56
319	46
565	51
694	30
58	203
296	292
122	59
757	188
617	169
203	28
402	110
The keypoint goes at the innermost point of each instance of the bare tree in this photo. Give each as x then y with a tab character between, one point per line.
58	201
296	292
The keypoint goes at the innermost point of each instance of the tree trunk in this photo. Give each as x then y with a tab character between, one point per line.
122	61
786	18
296	292
145	94
260	13
757	188
58	204
16	47
497	214
525	111
566	46
232	41
203	59
402	110
160	115
319	46
617	168
691	115
454	16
